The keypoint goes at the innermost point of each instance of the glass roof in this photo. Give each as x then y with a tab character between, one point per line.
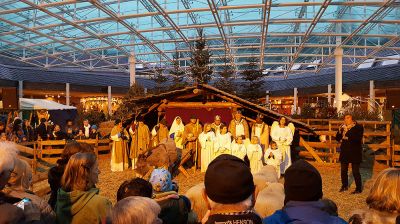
102	34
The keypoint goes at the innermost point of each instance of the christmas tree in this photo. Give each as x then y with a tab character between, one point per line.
178	75
253	75
225	80
160	79
200	70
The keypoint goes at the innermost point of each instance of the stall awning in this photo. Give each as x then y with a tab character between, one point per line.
40	104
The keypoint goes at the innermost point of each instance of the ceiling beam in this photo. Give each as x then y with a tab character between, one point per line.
129	27
375	14
264	29
310	29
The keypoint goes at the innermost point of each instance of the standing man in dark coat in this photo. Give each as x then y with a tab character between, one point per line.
350	136
42	130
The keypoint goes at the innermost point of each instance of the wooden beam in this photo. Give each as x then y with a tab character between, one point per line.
310	150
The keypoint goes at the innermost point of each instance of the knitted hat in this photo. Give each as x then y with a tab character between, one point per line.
94	127
161	181
228	180
302	182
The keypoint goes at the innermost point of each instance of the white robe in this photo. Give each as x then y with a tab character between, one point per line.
177	129
274	161
283	138
207	149
222	144
254	152
238	150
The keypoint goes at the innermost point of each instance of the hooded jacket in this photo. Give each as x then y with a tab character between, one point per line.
81	207
303	212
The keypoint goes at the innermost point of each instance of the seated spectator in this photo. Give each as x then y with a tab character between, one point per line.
18	187
57	133
383	200
56	172
135	187
135	210
70	129
229	192
80	136
93	133
175	208
77	199
302	198
10	213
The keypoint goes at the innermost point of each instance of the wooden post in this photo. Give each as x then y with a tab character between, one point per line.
310	150
331	150
388	153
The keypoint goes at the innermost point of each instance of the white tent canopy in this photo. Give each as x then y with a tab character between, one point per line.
40	104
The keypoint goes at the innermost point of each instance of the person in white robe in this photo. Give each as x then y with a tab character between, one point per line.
283	136
238	147
254	152
223	141
216	125
273	157
176	131
119	151
206	139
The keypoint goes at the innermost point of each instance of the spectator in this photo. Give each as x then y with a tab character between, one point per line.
135	187
383	200
135	210
56	172
229	192
18	187
302	198
93	133
86	128
3	137
77	199
57	133
80	135
9	213
42	130
175	208
70	129
28	131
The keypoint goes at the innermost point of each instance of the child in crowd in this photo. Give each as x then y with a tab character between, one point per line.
238	147
254	151
273	157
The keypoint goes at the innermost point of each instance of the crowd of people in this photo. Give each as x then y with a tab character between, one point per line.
229	193
20	130
259	144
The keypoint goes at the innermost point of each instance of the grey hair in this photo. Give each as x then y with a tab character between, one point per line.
246	204
135	209
8	155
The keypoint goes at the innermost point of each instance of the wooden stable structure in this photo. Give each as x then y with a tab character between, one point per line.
377	139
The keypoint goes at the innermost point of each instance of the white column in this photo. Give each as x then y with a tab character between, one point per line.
132	69
329	94
371	103
20	95
67	102
294	100
338	78
109	100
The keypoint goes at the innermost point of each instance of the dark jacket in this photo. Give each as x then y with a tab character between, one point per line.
351	148
54	179
28	132
59	135
94	135
174	211
240	217
302	212
42	131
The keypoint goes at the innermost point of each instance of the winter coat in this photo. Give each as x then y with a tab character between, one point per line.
174	210
54	179
81	207
299	212
351	148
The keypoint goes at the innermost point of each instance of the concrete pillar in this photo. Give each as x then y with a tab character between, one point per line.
294	101
67	102
132	69
20	89
109	100
338	78
371	103
329	94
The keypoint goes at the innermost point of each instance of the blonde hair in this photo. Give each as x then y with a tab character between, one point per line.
77	173
8	155
135	209
385	194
